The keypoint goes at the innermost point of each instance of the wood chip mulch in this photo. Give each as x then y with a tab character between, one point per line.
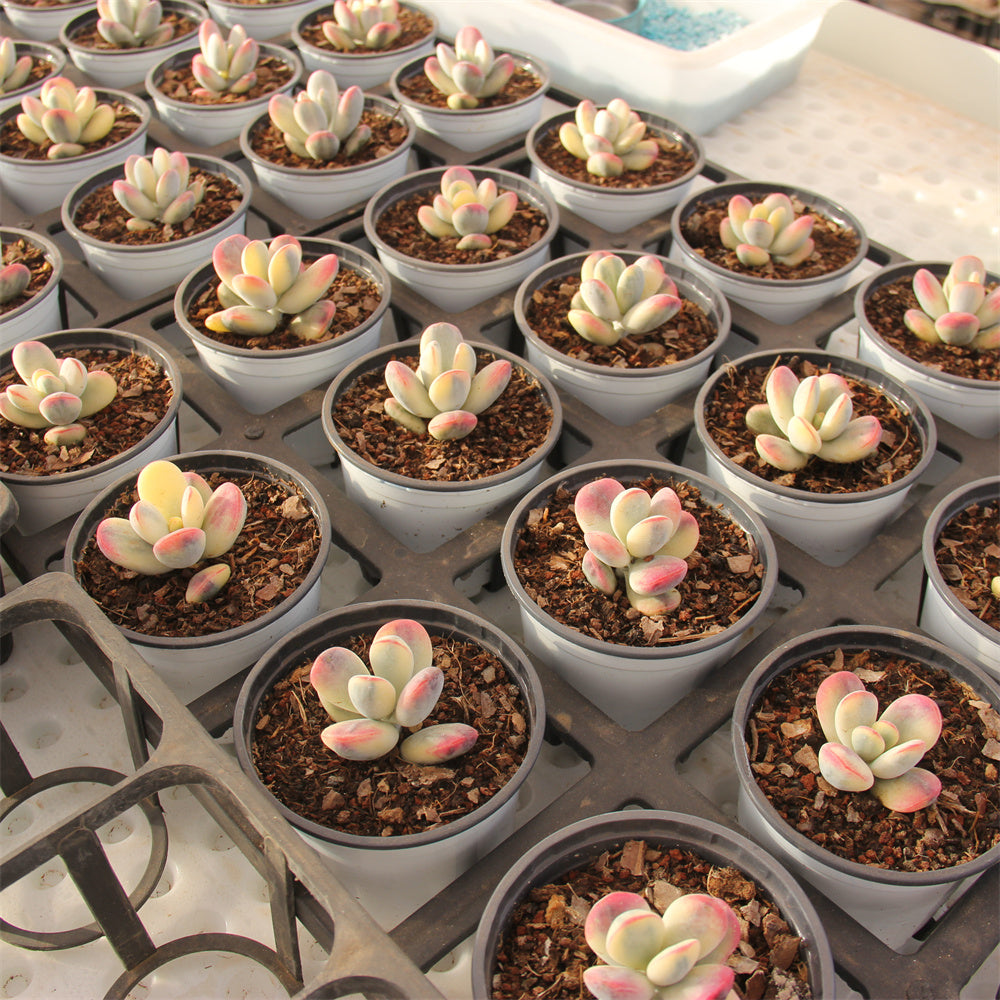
179	83
415	25
14	144
88	37
968	555
35	260
521	85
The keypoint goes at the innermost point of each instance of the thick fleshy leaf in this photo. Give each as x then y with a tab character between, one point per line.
227	257
651	313
916	717
802	436
867	743
390	657
404	385
439	743
592	329
329	674
162	483
449	390
600	299
65	435
284	265
793	237
780	392
604	164
192	507
414	635
607	547
572	140
100	389
843	768
604	913
599	574
831	691
121	545
859	439
856	708
634	937
487	385
147	521
656	575
648	536
360	739
836	419
916	789
311	285
181	548
372	697
395	410
452	425
957	328
929	293
29	356
59	408
609	982
225	515
703	982
206	583
898	760
628	509
708	919
685	538
778	452
673	963
419	696
592	504
666	503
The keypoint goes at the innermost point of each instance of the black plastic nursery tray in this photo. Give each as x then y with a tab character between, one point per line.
650	768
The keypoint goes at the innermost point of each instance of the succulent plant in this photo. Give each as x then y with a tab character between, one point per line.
444	394
14	278
958	311
68	118
400	691
466	210
638	539
767	231
468	72
132	24
866	750
54	394
14	72
321	120
615	301
158	189
224	65
995	587
807	418
367	24
611	140
260	282
680	955
177	521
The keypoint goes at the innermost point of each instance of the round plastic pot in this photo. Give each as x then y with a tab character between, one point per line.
211	124
891	904
829	526
192	665
363	69
125	67
942	615
46	500
135	271
42	23
781	301
623	395
972	404
261	380
261	20
38	185
41	313
424	514
392	876
479	128
456	287
633	685
315	194
587	839
42	51
615	209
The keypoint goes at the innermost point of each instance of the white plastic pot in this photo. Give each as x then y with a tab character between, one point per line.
420	513
42	23
51	54
622	395
134	270
41	313
831	527
261	20
456	287
781	301
972	404
633	685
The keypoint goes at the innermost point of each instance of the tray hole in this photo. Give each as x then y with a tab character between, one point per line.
709	768
14	981
14	687
44	734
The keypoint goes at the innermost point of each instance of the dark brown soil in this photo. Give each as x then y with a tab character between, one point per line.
16	145
179	83
898	454
836	245
390	796
885	309
144	396
269	561
784	735
415	25
34	259
968	556
723	579
507	434
101	217
683	336
88	37
419	89
543	951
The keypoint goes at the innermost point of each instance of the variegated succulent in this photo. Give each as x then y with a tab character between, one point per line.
470	71
14	278
363	24
157	189
262	283
814	417
54	394
467	210
224	64
371	707
769	230
615	300
959	311
132	24
444	394
65	118
866	750
680	955
14	72
611	140
635	540
177	521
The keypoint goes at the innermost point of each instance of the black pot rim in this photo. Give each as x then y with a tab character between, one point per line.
54	256
188	7
313	15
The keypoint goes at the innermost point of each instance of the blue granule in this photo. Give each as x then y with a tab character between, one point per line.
679	27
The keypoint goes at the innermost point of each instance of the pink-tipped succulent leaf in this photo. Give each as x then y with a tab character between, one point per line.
467	211
961	311
611	140
363	24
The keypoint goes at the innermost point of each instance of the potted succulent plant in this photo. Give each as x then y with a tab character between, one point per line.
261	18
117	43
936	328
614	166
24	66
79	408
144	547
621	891
63	136
141	229
778	250
625	333
458	236
207	95
351	145
444	796
823	447
30	269
470	428
826	733
635	547
42	19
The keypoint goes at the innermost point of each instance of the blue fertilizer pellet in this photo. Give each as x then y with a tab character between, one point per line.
679	27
